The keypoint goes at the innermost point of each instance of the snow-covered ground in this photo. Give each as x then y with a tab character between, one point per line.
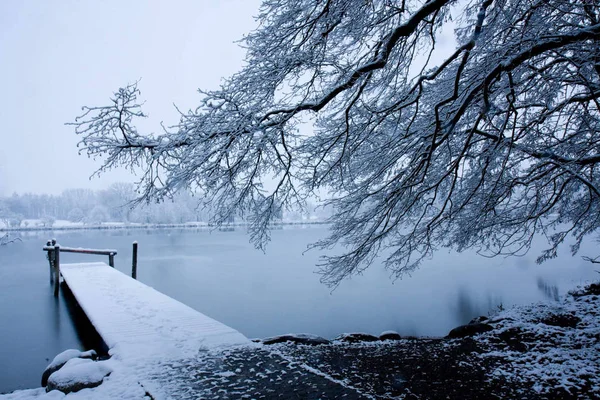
550	345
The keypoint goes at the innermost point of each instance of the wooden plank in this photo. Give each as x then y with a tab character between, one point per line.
104	252
138	322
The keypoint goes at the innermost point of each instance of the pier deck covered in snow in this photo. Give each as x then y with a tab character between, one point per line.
137	322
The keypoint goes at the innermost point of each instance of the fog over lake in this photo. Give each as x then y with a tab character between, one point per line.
263	294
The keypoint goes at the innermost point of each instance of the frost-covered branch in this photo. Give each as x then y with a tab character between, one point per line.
484	149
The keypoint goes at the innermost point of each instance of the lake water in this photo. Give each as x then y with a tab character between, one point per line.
220	274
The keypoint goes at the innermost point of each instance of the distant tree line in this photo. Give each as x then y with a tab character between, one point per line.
114	204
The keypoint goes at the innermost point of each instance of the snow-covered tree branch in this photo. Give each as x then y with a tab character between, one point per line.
483	148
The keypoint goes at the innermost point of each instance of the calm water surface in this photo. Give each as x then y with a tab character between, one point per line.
222	275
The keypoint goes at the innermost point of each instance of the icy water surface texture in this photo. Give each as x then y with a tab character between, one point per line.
221	275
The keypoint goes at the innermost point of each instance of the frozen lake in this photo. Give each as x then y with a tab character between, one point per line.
220	274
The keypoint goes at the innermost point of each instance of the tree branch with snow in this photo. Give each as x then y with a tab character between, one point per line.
484	148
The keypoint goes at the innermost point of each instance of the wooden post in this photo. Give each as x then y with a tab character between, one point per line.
134	261
56	269
50	255
111	260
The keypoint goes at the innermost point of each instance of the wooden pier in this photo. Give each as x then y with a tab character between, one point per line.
141	327
131	316
136	321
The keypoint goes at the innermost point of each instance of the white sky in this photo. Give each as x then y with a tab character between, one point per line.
56	56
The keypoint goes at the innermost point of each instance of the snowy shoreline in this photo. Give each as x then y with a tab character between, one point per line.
121	225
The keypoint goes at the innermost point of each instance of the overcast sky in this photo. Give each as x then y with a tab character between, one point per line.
56	56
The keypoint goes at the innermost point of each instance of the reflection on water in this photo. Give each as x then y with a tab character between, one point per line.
261	294
86	334
549	291
36	326
467	307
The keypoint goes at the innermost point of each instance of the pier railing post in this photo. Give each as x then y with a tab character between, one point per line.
56	269
50	255
111	260
134	261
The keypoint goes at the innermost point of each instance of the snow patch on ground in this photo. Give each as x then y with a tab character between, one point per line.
567	357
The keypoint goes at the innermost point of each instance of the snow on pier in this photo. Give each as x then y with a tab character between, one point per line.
139	323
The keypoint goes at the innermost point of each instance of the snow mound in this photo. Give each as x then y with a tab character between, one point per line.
77	374
389	335
61	359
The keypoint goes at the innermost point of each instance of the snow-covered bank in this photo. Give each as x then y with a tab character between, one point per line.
547	350
554	346
70	226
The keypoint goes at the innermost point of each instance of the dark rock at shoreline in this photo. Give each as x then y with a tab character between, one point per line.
62	358
356	337
470	329
296	338
593	288
78	374
561	320
390	335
